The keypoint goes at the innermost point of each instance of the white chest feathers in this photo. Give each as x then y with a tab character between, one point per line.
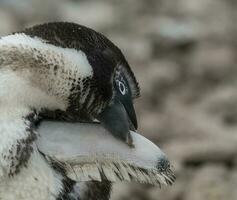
36	182
24	173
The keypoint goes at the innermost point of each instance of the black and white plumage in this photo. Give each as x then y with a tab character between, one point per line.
72	71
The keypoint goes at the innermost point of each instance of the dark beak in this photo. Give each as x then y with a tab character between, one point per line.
119	118
128	105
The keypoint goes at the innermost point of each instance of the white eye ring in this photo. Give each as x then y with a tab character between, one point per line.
122	88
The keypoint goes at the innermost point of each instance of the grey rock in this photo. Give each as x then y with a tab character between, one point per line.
95	14
211	182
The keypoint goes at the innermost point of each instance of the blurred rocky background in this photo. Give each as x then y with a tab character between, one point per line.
184	54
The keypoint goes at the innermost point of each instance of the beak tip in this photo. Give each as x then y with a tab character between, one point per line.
118	121
130	141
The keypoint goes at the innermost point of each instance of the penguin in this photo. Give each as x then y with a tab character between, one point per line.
61	71
53	68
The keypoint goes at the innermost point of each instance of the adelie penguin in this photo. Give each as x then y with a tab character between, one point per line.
65	71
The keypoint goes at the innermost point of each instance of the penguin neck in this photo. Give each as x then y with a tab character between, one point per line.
18	89
17	138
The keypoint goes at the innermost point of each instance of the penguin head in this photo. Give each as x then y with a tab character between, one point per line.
73	69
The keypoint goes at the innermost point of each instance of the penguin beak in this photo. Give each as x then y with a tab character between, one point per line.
119	118
131	114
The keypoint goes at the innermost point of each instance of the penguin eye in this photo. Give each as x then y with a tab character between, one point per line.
121	87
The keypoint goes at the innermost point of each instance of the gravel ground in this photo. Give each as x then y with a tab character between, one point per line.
184	55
